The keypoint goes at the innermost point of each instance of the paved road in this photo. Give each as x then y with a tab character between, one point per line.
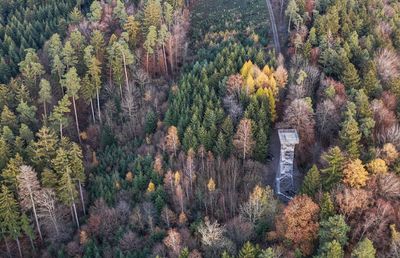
274	29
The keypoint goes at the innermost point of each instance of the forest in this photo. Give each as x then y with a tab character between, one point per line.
148	128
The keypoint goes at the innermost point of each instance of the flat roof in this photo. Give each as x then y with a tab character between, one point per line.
288	136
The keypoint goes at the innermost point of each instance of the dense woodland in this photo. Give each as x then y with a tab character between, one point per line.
145	129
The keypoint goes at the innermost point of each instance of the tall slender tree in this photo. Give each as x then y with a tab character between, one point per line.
28	188
72	82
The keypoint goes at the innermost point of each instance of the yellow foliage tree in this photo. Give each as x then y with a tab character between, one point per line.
177	177
129	176
281	76
151	188
262	80
377	166
246	68
272	104
389	153
355	174
211	185
267	71
249	85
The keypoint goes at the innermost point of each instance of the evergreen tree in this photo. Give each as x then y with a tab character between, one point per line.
248	251
9	216
69	56
27	229
333	171
333	250
350	137
334	228
58	114
11	172
44	95
150	43
72	82
30	67
327	208
132	27
96	11
351	78
364	249
312	182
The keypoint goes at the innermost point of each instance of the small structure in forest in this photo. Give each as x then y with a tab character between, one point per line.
284	177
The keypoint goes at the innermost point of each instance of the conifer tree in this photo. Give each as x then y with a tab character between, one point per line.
333	170
58	114
327	208
11	172
248	250
351	78
350	137
77	170
312	182
119	12
333	228
44	95
8	118
69	56
30	67
333	249
9	216
96	11
150	43
72	82
364	249
97	41
27	229
132	27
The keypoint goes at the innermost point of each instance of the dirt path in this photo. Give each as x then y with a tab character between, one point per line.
273	25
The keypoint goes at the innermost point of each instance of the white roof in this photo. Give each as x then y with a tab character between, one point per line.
288	136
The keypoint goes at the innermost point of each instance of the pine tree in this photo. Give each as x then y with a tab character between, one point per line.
261	146
69	56
119	12
11	172
97	41
9	216
30	67
96	11
220	145
333	250
364	249
333	171
8	118
72	82
58	69
350	137
333	228
58	113
150	43
312	182
27	229
248	251
152	13
77	170
132	27
44	95
327	208
351	78
75	15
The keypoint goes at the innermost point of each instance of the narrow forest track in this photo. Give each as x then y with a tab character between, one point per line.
274	29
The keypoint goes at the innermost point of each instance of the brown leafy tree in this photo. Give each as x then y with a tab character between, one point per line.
300	223
172	140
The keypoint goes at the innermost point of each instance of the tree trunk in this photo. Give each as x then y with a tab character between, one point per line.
76	119
19	247
165	59
91	107
81	194
126	72
45	109
61	129
98	103
76	215
35	215
33	246
147	62
7	247
170	55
